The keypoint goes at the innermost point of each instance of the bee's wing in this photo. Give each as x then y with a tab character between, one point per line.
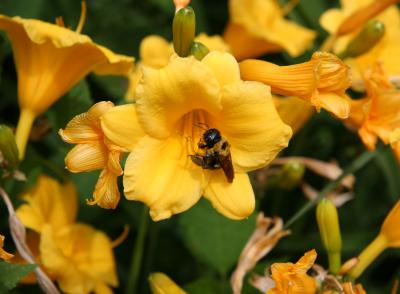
227	167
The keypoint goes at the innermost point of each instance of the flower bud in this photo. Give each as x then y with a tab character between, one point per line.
369	36
291	175
183	30
199	50
8	148
329	229
161	284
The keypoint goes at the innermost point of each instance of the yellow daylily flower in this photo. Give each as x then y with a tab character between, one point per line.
48	202
292	278
386	51
160	283
50	60
376	116
4	255
293	111
155	52
388	237
174	105
258	26
322	81
77	256
92	152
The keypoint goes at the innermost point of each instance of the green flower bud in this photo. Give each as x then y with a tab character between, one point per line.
290	175
183	30
329	229
8	148
199	50
369	36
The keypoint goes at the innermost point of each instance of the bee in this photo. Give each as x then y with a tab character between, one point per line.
215	153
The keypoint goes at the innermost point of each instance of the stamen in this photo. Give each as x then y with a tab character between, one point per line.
121	238
60	21
82	18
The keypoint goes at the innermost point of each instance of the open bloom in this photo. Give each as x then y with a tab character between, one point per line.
174	106
4	255
50	60
292	278
388	237
322	81
92	152
377	115
386	51
155	52
259	26
77	256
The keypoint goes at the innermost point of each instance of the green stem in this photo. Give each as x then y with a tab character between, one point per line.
334	262
358	163
133	278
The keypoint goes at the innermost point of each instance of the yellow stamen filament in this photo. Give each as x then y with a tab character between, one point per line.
60	21
121	238
289	6
82	18
361	16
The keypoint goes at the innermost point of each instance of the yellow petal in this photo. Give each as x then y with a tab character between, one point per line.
390	227
306	261
155	51
48	202
161	174
86	157
234	200
162	284
339	105
214	43
165	95
85	127
4	255
224	67
331	19
106	193
121	126
251	124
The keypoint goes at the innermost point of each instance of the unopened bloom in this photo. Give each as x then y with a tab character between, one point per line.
322	81
388	237
160	283
50	60
92	152
4	255
77	256
259	26
155	52
174	106
385	51
292	278
376	115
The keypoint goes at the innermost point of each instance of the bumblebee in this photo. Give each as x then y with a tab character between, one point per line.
214	153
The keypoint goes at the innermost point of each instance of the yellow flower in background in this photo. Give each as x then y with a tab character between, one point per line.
322	81
92	152
386	51
293	111
77	256
50	60
388	237
4	255
349	288
162	284
292	278
174	105
377	115
155	52
259	26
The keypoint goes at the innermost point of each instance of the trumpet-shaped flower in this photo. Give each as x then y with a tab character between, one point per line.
155	53
77	256
323	80
92	152
162	284
4	255
51	59
385	51
377	115
292	278
174	106
258	26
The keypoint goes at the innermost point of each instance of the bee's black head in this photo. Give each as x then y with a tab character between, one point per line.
211	137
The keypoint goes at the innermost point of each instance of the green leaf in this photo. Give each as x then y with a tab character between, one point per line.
76	101
214	239
11	274
207	285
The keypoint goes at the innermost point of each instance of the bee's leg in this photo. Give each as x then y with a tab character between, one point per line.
197	159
